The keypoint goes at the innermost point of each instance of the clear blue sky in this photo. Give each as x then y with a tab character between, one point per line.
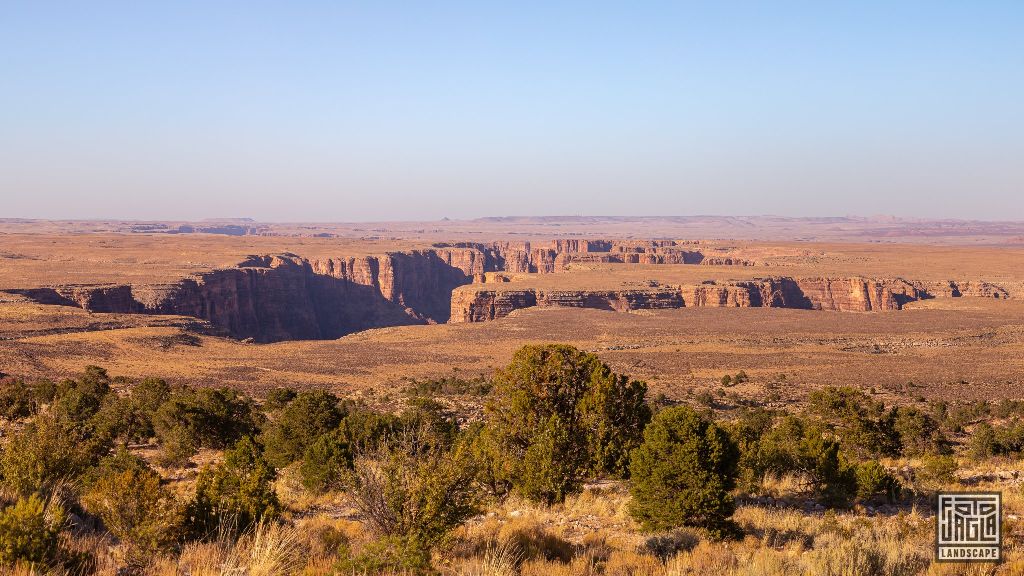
349	111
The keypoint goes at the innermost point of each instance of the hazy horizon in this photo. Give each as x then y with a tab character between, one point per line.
346	112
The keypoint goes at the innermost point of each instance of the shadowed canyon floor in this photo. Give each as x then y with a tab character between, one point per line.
909	319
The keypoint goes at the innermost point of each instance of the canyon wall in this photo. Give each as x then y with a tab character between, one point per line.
285	297
479	303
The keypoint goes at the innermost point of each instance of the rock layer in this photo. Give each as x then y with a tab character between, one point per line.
476	303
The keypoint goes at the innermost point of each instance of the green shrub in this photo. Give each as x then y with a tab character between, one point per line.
127	495
17	399
494	468
386	555
1010	437
683	472
150	394
614	414
177	446
558	413
873	480
29	531
805	447
861	423
121	420
278	398
832	475
917	431
1007	408
44	453
415	495
432	422
747	432
450	386
204	418
365	429
233	495
77	401
307	417
547	473
326	462
936	472
983	442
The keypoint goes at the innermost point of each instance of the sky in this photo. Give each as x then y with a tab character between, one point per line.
379	110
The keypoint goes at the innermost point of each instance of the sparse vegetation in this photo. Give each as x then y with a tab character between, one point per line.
235	495
29	532
507	493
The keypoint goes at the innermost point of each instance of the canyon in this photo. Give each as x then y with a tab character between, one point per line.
286	296
362	308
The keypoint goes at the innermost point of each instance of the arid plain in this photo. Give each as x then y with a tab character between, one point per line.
911	309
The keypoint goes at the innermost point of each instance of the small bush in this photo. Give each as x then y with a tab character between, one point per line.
177	446
683	472
17	399
450	386
307	417
873	480
234	495
494	468
417	496
29	531
203	418
278	398
127	495
917	431
860	422
936	472
983	443
386	555
326	462
150	394
805	447
77	401
545	473
44	453
614	414
431	421
365	429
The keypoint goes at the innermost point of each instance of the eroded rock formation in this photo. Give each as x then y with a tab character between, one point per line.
478	303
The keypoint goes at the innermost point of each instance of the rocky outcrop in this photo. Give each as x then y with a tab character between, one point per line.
474	304
527	257
974	289
484	305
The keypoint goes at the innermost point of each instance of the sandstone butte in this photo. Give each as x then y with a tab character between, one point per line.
285	296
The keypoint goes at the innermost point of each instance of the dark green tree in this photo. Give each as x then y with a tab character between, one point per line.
307	417
559	414
683	472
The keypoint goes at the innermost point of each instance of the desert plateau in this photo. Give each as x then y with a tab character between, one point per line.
281	307
553	288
